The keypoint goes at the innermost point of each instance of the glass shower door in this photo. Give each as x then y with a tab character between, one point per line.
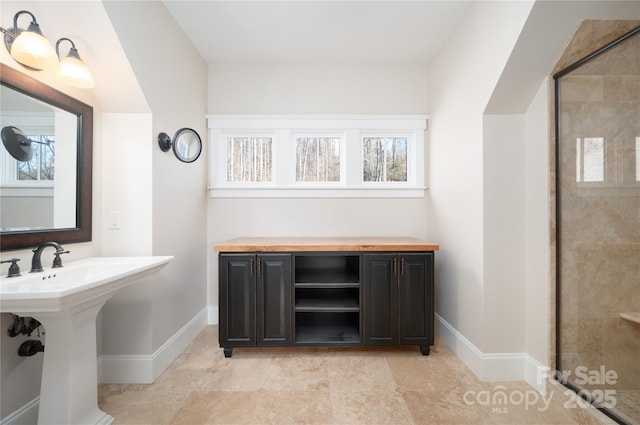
598	227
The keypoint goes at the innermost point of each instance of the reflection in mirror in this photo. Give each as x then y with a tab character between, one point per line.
37	190
45	178
187	145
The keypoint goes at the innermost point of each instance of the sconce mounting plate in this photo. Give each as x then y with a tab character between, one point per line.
164	140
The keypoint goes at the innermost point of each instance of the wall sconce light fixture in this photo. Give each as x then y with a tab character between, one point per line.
186	144
73	70
32	50
29	47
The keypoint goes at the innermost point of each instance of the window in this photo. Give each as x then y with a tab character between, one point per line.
316	156
590	159
41	166
38	172
249	159
384	159
317	159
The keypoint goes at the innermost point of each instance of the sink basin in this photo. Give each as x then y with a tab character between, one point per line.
75	283
67	301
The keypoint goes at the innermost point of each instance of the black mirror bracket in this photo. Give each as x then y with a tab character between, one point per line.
164	140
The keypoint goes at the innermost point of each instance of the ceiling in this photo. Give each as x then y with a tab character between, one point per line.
313	31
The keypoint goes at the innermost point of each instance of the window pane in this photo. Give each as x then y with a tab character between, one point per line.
384	159
590	159
249	159
317	159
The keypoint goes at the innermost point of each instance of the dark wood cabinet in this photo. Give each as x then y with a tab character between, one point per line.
398	299
255	300
381	299
326	298
273	304
237	299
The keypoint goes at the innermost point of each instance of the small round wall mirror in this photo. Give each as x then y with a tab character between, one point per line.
186	144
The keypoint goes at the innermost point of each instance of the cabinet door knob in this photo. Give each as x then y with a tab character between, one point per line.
402	266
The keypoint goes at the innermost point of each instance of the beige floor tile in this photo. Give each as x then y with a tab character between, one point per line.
423	374
294	407
370	408
320	385
141	407
444	407
360	373
218	407
297	373
185	375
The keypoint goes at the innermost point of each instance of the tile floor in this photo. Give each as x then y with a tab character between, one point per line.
331	386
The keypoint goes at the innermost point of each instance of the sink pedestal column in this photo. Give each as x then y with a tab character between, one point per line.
69	389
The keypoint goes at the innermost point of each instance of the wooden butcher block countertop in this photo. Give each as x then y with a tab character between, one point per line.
301	244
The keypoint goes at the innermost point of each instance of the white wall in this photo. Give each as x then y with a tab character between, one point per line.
173	78
461	79
536	226
317	88
493	284
292	88
503	250
128	182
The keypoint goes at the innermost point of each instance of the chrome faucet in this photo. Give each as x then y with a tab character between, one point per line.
36	263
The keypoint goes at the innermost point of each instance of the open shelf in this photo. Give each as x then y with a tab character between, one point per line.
327	299
327	269
327	328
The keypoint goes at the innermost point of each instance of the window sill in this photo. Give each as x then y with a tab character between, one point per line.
387	192
27	191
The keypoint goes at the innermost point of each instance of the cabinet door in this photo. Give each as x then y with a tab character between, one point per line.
415	299
380	293
237	290
274	299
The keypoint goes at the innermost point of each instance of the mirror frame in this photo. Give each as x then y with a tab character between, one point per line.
29	86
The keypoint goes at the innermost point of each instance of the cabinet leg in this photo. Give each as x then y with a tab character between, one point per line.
425	350
228	352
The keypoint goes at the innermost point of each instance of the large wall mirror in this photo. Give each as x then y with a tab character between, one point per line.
46	164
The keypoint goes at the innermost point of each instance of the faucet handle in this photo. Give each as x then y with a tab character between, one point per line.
14	269
57	261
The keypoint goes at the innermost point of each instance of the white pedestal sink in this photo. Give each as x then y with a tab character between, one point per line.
66	301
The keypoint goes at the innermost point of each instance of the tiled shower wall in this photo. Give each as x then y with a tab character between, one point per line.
599	217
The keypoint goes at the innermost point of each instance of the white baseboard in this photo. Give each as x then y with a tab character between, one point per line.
141	369
496	366
27	414
213	315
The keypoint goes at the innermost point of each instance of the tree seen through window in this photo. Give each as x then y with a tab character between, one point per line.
384	159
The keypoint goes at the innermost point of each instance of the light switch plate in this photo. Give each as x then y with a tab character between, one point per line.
114	220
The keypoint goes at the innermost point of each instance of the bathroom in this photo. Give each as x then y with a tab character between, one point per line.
152	80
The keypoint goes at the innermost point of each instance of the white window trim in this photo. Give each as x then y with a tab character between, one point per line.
284	129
